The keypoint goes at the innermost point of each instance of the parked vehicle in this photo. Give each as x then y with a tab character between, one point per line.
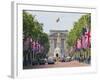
72	58
42	61
68	59
54	59
35	62
50	60
62	59
45	60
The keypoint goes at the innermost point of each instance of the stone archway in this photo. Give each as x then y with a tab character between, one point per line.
58	44
57	55
57	52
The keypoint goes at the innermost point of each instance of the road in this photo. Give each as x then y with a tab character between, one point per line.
59	64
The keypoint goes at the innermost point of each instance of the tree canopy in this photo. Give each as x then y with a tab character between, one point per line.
32	28
76	32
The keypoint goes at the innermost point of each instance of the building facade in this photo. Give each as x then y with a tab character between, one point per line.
58	45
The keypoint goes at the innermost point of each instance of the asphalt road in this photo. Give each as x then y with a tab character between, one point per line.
59	64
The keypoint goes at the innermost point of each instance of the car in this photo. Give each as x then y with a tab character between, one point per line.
62	59
72	58
42	61
35	62
54	58
45	60
68	59
50	60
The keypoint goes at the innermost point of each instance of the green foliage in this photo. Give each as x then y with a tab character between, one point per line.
77	29
32	28
82	54
75	33
44	40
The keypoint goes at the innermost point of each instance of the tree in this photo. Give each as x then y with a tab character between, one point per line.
33	29
76	32
44	40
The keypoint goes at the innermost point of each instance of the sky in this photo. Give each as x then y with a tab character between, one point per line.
66	19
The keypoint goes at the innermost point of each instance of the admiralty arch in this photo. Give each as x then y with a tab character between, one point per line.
58	45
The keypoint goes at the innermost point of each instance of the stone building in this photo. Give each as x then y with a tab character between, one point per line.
58	43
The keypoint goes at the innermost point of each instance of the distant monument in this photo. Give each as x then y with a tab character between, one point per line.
58	43
57	50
